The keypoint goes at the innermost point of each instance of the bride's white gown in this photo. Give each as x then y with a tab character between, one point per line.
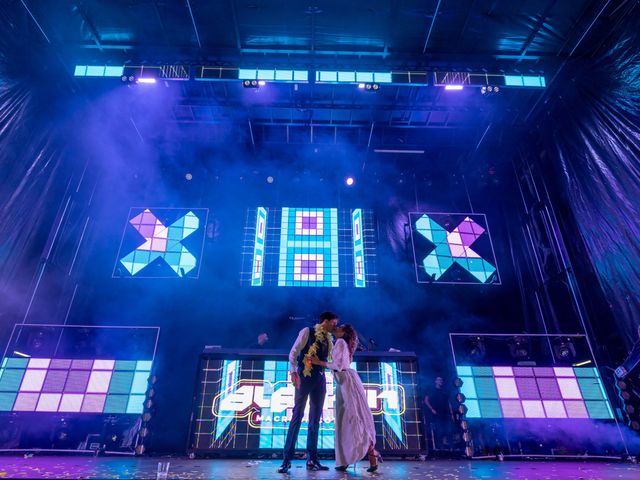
354	429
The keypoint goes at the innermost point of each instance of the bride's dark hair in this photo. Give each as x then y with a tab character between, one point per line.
350	336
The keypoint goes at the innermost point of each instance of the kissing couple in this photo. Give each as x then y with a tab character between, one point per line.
355	434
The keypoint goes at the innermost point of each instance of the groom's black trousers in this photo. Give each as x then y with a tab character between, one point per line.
313	388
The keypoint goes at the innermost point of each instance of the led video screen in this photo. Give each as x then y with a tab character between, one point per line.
247	404
73	386
309	247
453	248
534	392
161	243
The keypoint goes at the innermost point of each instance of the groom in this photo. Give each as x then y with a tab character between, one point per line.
310	384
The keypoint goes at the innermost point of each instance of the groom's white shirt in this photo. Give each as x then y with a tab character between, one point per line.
301	341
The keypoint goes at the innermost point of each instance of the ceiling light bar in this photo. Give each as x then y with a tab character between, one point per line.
415	152
97	71
335	76
268	75
485	79
409	78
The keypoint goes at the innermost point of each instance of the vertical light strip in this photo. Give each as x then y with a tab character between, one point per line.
258	248
391	406
359	277
230	373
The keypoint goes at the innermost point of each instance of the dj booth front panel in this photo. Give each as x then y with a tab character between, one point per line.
243	402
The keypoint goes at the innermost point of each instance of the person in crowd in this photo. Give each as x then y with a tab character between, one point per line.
439	413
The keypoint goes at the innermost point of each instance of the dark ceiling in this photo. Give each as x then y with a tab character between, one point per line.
492	36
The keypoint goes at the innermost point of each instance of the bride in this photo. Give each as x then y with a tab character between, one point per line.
355	434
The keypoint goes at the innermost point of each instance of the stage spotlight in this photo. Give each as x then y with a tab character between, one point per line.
370	87
147	80
519	347
488	90
188	176
564	348
349	181
361	86
453	87
269	179
476	348
261	83
250	84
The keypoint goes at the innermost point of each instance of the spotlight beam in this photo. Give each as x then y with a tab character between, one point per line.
193	22
35	21
433	22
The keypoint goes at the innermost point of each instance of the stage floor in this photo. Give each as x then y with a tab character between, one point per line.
183	468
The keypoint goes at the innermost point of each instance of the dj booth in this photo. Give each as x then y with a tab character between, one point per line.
243	402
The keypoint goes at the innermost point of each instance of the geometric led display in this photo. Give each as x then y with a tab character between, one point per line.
309	247
452	248
534	392
78	386
247	405
162	242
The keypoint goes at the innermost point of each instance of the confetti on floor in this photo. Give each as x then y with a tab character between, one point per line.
63	467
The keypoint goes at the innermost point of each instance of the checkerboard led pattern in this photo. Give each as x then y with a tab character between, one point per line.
309	248
73	386
534	392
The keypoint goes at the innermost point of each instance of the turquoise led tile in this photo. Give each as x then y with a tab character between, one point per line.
116	404
490	409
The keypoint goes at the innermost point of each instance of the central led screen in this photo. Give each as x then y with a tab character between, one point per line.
247	405
309	247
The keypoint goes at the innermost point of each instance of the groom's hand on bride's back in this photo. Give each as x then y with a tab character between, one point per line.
295	379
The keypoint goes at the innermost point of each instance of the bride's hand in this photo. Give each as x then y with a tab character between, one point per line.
315	360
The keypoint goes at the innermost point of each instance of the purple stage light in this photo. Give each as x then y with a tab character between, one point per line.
349	181
262	83
453	87
146	80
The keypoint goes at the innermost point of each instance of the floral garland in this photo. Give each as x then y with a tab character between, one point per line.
320	335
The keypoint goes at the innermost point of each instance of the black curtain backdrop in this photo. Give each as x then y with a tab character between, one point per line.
33	173
591	135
